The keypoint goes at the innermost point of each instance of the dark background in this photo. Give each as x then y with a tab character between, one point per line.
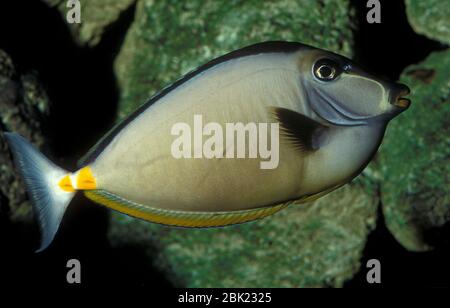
37	38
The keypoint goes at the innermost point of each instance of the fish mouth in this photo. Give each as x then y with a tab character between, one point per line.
402	102
399	100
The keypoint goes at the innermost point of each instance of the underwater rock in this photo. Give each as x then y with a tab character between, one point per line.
430	18
415	158
23	107
96	17
306	245
169	38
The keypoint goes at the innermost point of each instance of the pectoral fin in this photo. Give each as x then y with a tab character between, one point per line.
301	131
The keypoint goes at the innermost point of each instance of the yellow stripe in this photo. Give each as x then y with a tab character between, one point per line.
179	218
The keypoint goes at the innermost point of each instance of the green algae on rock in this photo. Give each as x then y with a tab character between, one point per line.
430	18
170	38
306	245
415	157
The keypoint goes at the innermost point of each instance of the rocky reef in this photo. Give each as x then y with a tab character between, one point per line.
430	18
415	158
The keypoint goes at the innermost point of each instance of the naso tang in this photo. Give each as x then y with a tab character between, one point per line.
331	115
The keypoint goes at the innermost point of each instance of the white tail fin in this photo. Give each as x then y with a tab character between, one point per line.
41	179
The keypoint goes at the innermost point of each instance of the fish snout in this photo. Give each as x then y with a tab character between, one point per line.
397	98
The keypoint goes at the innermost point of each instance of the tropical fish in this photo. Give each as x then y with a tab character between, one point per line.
332	116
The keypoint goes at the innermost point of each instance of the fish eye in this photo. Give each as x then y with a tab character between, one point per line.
326	70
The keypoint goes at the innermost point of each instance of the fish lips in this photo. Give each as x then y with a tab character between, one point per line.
397	98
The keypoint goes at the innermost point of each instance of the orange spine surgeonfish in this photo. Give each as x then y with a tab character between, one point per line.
331	115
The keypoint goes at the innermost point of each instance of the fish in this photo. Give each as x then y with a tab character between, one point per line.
329	117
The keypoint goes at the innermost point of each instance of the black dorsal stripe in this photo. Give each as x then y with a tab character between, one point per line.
259	48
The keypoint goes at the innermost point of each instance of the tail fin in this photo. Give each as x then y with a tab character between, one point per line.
41	179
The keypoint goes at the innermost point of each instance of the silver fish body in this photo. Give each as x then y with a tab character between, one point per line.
138	164
331	115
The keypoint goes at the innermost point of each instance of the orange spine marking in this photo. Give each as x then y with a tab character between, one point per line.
86	179
66	184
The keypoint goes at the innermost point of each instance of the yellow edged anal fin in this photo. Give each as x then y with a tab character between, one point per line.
179	218
86	179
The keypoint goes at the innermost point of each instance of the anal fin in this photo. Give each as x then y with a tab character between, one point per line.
180	218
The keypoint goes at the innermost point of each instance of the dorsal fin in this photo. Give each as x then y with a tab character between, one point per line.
298	129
